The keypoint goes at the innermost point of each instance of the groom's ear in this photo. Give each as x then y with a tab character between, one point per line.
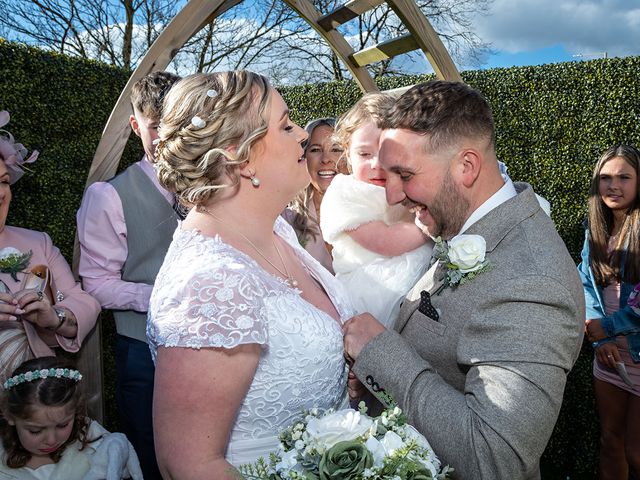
470	164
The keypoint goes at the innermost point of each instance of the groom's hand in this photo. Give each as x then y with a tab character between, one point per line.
358	331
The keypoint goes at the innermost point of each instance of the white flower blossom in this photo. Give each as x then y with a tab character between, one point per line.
467	252
340	426
8	251
287	461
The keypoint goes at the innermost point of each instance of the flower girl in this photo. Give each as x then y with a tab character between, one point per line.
378	251
46	434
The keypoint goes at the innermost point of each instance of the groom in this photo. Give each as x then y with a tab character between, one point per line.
480	367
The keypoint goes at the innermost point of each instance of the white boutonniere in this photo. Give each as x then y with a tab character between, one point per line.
463	258
13	261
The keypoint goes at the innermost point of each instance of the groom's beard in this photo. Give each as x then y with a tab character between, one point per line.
449	209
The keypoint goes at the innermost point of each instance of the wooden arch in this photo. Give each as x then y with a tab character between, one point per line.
198	13
189	21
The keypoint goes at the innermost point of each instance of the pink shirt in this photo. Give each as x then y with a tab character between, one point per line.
102	233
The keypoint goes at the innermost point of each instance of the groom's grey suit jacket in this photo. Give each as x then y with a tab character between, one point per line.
485	382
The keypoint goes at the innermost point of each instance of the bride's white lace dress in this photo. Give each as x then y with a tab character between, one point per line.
209	294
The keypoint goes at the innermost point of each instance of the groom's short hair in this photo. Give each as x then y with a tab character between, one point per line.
443	110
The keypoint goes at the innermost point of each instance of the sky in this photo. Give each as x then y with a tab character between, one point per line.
535	32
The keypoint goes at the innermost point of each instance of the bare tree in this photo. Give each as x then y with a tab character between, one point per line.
452	19
250	35
263	35
117	32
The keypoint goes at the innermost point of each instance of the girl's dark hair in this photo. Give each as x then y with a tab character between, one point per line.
623	263
22	400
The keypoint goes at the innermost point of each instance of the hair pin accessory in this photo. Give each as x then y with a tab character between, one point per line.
32	375
156	141
212	93
198	122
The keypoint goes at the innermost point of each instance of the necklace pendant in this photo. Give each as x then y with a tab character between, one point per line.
294	283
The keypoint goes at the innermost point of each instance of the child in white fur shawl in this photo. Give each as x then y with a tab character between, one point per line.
378	251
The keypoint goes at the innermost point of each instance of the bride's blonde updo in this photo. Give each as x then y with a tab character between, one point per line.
210	122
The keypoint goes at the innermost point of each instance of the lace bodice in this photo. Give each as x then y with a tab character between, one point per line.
209	294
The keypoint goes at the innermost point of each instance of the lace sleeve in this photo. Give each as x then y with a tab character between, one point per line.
215	306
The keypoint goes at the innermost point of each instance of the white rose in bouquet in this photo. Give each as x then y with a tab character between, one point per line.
467	252
288	460
429	460
344	425
385	447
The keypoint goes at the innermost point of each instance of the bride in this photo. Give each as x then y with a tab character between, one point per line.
244	325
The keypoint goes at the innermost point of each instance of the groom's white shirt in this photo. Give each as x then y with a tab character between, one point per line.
505	193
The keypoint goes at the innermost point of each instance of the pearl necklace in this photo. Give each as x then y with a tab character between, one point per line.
289	279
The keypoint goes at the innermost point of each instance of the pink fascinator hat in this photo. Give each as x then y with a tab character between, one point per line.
14	154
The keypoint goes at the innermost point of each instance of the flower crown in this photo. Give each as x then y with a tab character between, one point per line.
32	375
14	154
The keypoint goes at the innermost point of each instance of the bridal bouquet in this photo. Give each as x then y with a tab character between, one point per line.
350	445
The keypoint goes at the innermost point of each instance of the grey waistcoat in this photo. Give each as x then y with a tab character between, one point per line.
151	222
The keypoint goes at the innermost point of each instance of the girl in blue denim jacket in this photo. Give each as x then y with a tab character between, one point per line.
609	270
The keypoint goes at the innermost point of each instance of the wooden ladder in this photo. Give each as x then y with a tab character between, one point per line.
421	36
189	21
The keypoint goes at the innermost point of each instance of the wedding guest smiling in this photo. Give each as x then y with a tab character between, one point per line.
244	325
324	162
37	313
609	271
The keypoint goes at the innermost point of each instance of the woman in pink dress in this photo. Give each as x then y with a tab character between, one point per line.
42	307
609	270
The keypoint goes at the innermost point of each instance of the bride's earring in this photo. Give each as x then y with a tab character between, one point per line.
255	181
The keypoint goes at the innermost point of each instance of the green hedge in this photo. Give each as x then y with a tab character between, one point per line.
552	123
59	106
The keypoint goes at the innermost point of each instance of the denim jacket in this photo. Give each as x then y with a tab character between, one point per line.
623	322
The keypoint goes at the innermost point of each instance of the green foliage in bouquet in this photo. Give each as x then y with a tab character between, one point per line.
349	445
